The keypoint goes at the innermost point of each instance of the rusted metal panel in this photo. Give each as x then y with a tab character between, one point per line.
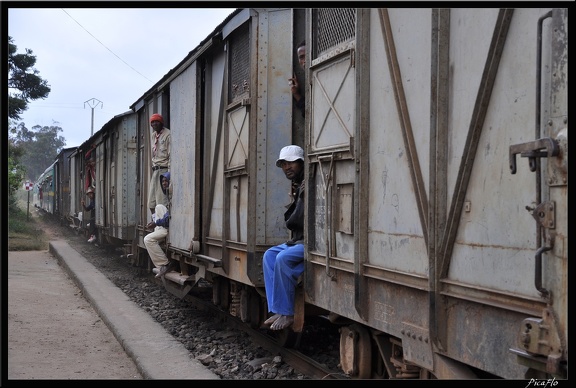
122	211
214	202
212	176
63	183
74	185
334	98
271	129
183	157
444	234
115	150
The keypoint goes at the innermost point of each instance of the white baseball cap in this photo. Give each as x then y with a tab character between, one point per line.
290	153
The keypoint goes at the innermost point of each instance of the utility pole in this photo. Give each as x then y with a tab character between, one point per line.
93	103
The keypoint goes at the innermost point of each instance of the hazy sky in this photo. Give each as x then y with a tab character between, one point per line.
102	58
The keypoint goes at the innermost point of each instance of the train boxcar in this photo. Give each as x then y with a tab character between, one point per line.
51	191
77	187
415	138
116	162
62	179
82	177
44	197
437	176
107	162
229	109
437	165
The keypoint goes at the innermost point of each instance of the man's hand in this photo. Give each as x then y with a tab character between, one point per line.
294	87
150	225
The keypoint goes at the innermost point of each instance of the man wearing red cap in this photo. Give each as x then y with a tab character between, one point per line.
160	161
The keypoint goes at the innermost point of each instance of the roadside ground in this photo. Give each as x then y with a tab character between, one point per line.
53	331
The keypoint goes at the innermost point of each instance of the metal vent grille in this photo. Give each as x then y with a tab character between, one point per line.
333	26
239	62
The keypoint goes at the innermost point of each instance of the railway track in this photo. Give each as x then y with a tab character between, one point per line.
301	362
150	294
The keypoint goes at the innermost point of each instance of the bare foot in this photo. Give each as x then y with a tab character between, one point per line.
282	323
271	320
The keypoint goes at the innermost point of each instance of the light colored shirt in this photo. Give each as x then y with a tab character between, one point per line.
161	148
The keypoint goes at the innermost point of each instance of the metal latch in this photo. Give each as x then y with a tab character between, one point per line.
544	214
542	337
533	150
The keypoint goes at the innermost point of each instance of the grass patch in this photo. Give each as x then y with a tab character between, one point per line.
24	231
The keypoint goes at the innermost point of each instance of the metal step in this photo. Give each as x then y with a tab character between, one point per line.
217	263
176	283
177	277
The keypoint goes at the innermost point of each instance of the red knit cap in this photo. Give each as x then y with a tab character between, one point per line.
157	117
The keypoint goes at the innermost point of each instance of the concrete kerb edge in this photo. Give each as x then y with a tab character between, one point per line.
132	343
56	252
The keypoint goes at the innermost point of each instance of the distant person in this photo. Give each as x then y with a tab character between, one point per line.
160	222
91	225
160	161
297	92
90	163
166	184
284	263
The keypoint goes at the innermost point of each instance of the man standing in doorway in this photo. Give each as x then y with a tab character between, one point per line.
160	161
89	210
297	92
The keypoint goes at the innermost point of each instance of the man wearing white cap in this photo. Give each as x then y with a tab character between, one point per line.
284	263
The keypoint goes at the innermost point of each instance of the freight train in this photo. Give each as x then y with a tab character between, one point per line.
436	171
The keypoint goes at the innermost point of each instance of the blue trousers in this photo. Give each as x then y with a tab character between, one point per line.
282	265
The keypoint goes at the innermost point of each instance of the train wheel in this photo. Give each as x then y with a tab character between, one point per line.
356	351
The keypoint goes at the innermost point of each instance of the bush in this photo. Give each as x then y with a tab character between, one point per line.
18	220
23	231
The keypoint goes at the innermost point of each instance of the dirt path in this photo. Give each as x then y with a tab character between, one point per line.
53	332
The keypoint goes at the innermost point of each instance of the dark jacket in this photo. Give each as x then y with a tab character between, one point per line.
301	104
164	221
90	207
294	216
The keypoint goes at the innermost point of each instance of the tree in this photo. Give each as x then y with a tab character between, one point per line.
39	146
24	83
16	171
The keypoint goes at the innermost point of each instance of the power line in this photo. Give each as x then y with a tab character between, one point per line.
103	45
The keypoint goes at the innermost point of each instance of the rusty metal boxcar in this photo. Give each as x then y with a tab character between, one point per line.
437	164
436	168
